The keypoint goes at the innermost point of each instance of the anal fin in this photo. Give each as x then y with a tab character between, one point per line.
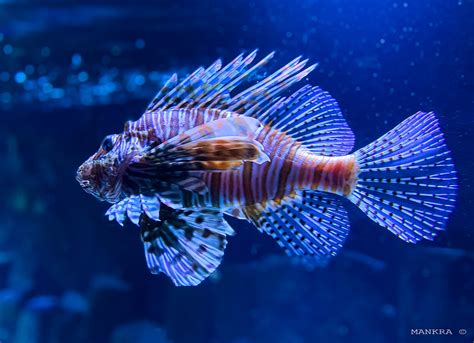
310	223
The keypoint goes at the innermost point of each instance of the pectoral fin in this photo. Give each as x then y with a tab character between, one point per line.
223	144
133	206
186	245
218	146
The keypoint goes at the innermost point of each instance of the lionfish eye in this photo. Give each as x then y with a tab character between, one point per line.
107	143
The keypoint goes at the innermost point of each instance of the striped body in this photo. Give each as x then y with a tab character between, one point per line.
292	167
227	140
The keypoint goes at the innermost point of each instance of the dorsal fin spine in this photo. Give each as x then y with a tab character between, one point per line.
237	80
177	90
165	89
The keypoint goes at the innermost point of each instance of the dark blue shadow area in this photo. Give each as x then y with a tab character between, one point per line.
72	72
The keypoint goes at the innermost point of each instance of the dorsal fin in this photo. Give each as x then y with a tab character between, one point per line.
170	84
212	87
312	117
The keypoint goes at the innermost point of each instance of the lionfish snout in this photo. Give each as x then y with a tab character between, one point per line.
88	175
100	177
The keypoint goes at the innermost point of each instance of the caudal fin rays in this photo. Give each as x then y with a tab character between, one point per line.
407	182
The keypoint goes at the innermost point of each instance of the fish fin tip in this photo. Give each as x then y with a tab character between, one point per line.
236	212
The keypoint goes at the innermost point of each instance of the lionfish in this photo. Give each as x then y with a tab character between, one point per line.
283	163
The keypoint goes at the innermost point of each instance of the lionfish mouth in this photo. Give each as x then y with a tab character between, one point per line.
98	180
86	175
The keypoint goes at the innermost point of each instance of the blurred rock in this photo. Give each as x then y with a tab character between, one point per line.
139	332
74	302
28	329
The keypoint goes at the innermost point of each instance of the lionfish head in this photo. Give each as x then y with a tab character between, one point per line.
101	174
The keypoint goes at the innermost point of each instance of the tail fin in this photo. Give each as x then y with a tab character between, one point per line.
406	181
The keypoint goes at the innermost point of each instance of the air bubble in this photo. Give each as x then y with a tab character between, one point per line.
139	43
7	49
20	77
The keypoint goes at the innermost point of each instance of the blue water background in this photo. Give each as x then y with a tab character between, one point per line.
72	72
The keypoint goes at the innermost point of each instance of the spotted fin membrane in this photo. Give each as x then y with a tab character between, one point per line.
186	245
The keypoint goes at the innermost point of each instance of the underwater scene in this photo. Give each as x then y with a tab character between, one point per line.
325	145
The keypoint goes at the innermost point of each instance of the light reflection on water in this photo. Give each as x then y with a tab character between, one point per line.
58	75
